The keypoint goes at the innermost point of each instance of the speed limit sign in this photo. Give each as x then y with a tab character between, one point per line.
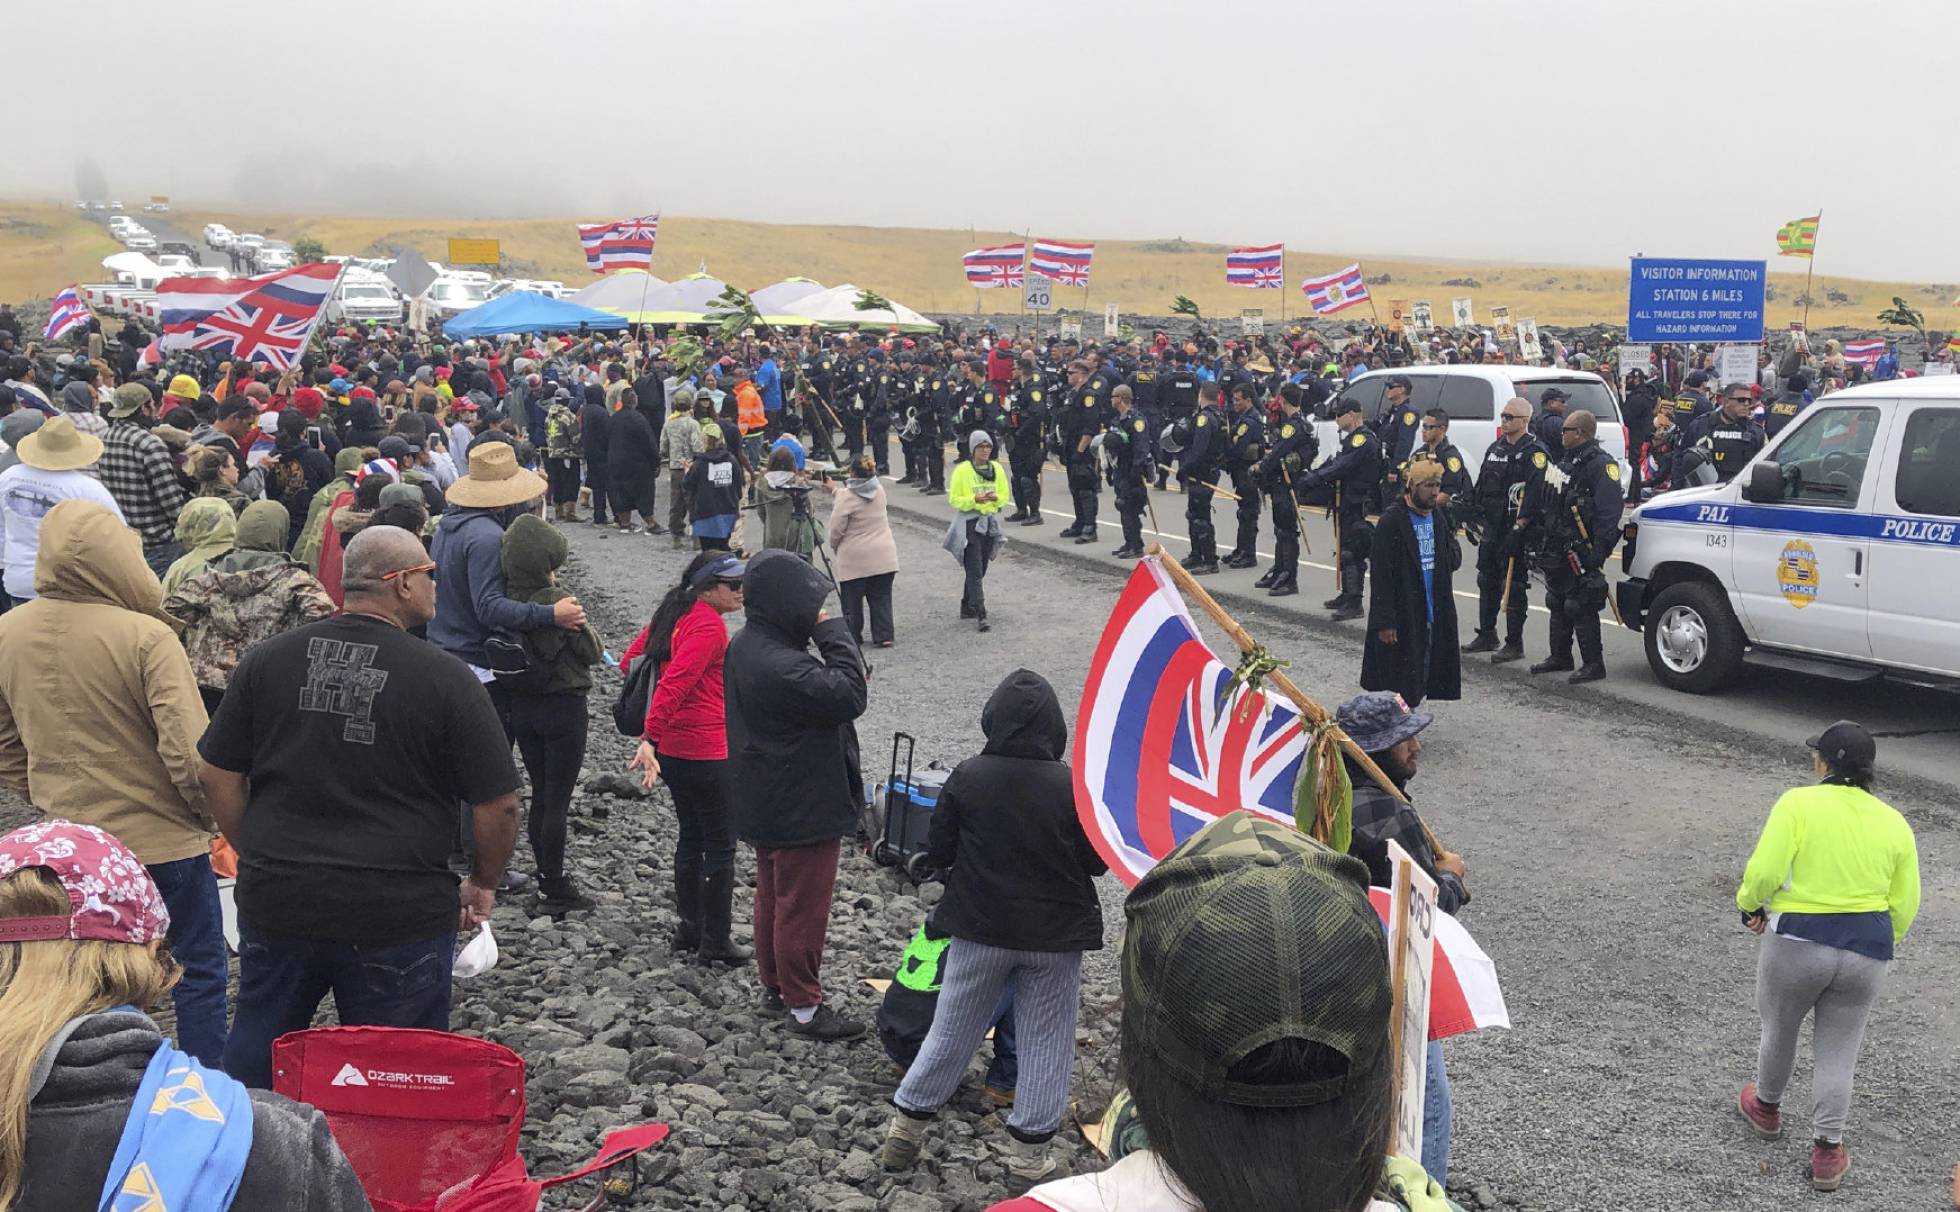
1040	294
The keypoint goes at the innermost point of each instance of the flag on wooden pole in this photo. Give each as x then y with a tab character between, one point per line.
1797	238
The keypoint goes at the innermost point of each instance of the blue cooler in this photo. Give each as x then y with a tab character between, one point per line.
909	803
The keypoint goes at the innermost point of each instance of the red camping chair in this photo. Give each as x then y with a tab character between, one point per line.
430	1120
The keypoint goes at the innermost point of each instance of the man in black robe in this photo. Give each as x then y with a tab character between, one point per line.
1412	644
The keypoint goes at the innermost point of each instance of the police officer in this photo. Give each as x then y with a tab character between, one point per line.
1580	528
1129	455
889	388
1398	431
1080	422
1354	473
981	406
935	415
1146	389
1202	453
1785	407
1730	435
1691	403
903	408
1510	492
1551	423
853	386
1437	448
1027	438
1294	448
1244	450
1178	397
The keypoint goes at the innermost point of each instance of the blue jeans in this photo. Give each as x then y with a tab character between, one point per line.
1436	1117
197	942
281	982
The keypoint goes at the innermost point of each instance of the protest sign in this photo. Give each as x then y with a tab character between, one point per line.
1412	959
1421	316
1937	368
1501	318
1072	329
1398	314
1798	337
1110	321
1460	311
1528	340
1671	299
1252	321
1636	357
1736	364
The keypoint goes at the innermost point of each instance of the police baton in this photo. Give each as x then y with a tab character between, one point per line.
1510	571
1300	514
1586	534
1227	493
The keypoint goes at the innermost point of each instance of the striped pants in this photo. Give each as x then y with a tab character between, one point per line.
1047	989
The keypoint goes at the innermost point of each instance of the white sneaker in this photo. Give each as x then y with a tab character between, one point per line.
1028	1163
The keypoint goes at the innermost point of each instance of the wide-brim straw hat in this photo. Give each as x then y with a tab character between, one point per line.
58	446
495	479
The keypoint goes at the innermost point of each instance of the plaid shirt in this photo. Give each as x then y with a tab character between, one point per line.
137	470
1380	818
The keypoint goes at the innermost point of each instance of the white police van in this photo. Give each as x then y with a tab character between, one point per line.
1836	551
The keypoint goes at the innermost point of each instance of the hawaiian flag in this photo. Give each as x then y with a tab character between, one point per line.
1342	288
69	314
1162	750
1261	268
1061	261
625	244
1866	352
267	319
987	268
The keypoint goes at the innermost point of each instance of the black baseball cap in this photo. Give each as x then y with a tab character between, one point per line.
1552	393
1401	381
1344	406
1845	743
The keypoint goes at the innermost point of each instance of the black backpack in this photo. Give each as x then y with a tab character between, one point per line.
635	694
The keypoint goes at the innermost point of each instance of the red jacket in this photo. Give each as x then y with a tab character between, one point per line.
687	716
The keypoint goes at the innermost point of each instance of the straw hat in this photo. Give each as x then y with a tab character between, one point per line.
495	479
59	446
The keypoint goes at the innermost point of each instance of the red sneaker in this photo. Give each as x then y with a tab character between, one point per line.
1828	1163
1765	1121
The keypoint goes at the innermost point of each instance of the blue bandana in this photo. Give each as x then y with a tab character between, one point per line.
184	1146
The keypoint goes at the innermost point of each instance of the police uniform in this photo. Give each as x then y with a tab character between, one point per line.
1456	474
1580	529
1549	429
1027	428
1245	448
1082	418
1178	397
1401	432
1729	444
854	384
1781	411
1510	493
1204	448
1129	454
1293	451
1355	474
1146	388
885	401
935	414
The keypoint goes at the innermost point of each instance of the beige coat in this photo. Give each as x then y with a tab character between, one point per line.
99	713
861	536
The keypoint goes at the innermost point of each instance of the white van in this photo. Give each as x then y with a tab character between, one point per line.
1473	395
1834	552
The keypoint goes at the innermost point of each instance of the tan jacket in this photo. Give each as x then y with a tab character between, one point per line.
99	714
861	535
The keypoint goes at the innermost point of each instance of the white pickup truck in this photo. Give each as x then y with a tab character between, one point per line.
1834	552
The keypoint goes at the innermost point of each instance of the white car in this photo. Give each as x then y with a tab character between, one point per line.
122	223
217	235
454	296
177	263
116	206
160	208
248	242
364	303
273	258
1833	552
140	241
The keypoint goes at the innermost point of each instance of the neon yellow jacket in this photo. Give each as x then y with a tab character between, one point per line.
1834	849
959	493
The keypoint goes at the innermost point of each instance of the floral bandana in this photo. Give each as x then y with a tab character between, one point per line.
113	896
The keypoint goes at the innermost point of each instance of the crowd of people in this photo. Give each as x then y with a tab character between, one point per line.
299	620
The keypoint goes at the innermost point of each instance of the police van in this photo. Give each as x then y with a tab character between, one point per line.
1835	551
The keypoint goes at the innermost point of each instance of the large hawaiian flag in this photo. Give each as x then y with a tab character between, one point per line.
1164	745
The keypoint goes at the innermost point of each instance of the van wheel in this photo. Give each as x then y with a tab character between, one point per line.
1694	643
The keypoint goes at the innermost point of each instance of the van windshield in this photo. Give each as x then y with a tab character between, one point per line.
1589	394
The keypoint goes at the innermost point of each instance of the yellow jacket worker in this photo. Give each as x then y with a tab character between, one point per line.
1832	887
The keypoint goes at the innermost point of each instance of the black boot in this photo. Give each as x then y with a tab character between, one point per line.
1559	660
687	905
1284	587
1267	578
559	896
1087	534
717	917
1202	568
1483	641
1591	671
1335	603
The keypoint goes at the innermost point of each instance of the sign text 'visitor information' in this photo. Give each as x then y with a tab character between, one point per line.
1675	300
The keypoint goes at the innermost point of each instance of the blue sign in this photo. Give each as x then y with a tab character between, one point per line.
1672	300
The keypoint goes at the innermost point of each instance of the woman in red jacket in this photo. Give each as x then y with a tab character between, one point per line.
686	742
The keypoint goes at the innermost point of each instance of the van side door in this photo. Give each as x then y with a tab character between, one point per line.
1915	548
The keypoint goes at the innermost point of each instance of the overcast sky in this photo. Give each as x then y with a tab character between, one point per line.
1547	130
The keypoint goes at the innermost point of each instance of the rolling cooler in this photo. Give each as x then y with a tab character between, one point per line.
909	804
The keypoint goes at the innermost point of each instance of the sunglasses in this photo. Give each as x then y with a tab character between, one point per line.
734	583
1431	425
429	568
1739	399
1569	429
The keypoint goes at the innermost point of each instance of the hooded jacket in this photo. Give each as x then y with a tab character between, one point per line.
1022	872
249	595
533	551
472	598
632	459
77	1115
99	713
207	529
792	781
17	425
346	465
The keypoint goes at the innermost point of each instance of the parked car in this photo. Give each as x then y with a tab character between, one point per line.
116	207
140	241
364	303
454	296
183	249
217	235
159	208
274	255
177	263
248	242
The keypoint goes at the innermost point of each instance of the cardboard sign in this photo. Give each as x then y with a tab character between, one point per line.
1071	330
1736	364
1412	959
1506	331
1636	357
474	252
1110	324
1460	313
1038	294
1528	340
1398	314
1798	337
1421	316
1936	368
1252	321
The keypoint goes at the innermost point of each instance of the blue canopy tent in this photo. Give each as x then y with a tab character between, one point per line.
528	311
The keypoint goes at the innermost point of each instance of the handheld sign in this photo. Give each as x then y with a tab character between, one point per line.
1412	958
1071	330
1460	310
1252	321
1636	357
1736	364
1110	320
1421	316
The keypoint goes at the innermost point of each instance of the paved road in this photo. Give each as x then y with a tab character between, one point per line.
1604	837
1920	726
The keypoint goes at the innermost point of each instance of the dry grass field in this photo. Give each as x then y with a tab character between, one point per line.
44	247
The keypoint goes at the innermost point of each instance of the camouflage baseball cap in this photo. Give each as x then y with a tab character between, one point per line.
1380	719
1249	933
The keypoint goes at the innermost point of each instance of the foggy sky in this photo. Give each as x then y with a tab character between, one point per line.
1430	127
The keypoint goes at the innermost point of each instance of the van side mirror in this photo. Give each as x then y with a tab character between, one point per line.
1765	484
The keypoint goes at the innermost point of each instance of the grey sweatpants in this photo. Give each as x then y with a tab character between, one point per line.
1793	978
1047	996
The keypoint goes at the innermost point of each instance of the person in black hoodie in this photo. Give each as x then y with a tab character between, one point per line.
595	444
632	463
793	781
1021	906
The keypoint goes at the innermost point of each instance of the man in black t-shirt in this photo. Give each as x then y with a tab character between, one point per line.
335	769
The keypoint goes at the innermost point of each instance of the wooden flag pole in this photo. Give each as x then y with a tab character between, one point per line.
1810	268
1313	711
